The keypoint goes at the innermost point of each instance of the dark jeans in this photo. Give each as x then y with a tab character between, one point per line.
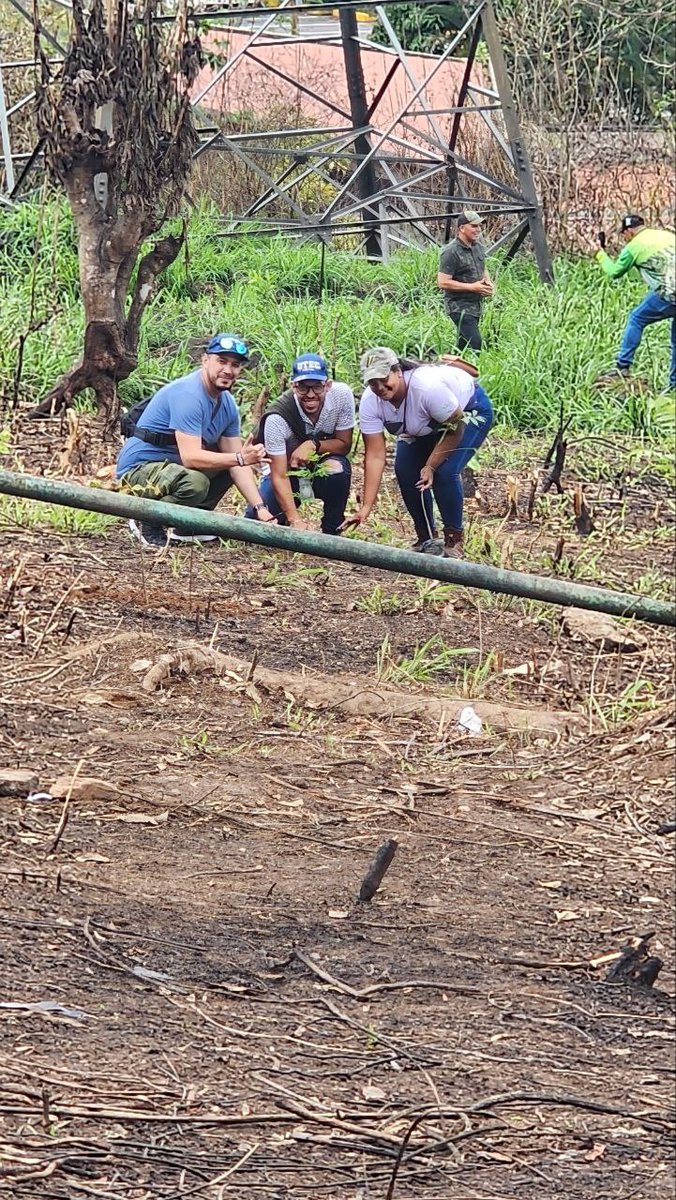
467	324
410	458
333	490
653	308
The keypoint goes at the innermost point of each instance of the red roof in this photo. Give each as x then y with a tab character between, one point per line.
249	87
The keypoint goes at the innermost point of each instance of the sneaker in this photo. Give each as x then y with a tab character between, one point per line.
189	536
421	543
432	546
151	537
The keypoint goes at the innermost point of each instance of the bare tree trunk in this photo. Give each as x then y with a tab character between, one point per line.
140	77
111	337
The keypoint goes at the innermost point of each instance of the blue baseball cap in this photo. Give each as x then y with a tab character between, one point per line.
309	366
228	343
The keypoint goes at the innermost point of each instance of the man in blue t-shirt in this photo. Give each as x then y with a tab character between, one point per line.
186	446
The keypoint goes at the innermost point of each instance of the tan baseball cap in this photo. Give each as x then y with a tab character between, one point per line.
469	217
377	363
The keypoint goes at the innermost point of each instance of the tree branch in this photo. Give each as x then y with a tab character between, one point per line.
125	233
152	264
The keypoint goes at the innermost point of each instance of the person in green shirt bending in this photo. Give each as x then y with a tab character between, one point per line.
653	253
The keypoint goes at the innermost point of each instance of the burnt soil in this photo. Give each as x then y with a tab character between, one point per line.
224	1019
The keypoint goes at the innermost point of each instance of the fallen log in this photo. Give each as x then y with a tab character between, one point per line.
360	697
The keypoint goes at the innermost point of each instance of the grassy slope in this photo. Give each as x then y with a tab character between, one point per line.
545	345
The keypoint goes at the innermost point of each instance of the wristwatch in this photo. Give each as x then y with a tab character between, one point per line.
316	442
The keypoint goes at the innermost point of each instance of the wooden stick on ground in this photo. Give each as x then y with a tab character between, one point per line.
63	819
376	872
59	604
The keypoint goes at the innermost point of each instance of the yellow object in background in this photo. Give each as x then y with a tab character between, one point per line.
362	17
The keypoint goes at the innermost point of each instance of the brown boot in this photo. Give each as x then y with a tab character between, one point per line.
452	543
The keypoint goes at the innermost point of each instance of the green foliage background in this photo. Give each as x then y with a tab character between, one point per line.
544	345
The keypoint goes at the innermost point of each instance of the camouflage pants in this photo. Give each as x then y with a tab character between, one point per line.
176	484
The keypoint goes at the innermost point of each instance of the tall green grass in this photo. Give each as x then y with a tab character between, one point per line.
544	346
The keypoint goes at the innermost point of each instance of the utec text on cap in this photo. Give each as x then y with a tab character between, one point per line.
310	366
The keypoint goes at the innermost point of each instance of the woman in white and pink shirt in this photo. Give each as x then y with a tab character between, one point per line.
440	415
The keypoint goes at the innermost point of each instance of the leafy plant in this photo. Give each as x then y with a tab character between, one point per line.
379	602
33	514
298	577
421	28
434	595
425	664
636	699
475	679
199	745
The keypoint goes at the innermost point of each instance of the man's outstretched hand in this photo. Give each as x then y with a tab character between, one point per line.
265	515
301	456
299	523
253	454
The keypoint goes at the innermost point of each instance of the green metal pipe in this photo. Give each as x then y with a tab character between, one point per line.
366	554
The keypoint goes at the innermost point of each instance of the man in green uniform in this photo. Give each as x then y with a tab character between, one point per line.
464	280
653	253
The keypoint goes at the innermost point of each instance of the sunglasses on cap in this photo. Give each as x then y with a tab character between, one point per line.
228	345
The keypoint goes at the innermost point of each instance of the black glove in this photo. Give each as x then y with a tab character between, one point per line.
601	237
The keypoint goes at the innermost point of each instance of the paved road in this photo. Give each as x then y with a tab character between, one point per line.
306	27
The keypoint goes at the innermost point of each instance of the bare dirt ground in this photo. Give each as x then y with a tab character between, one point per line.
223	1020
